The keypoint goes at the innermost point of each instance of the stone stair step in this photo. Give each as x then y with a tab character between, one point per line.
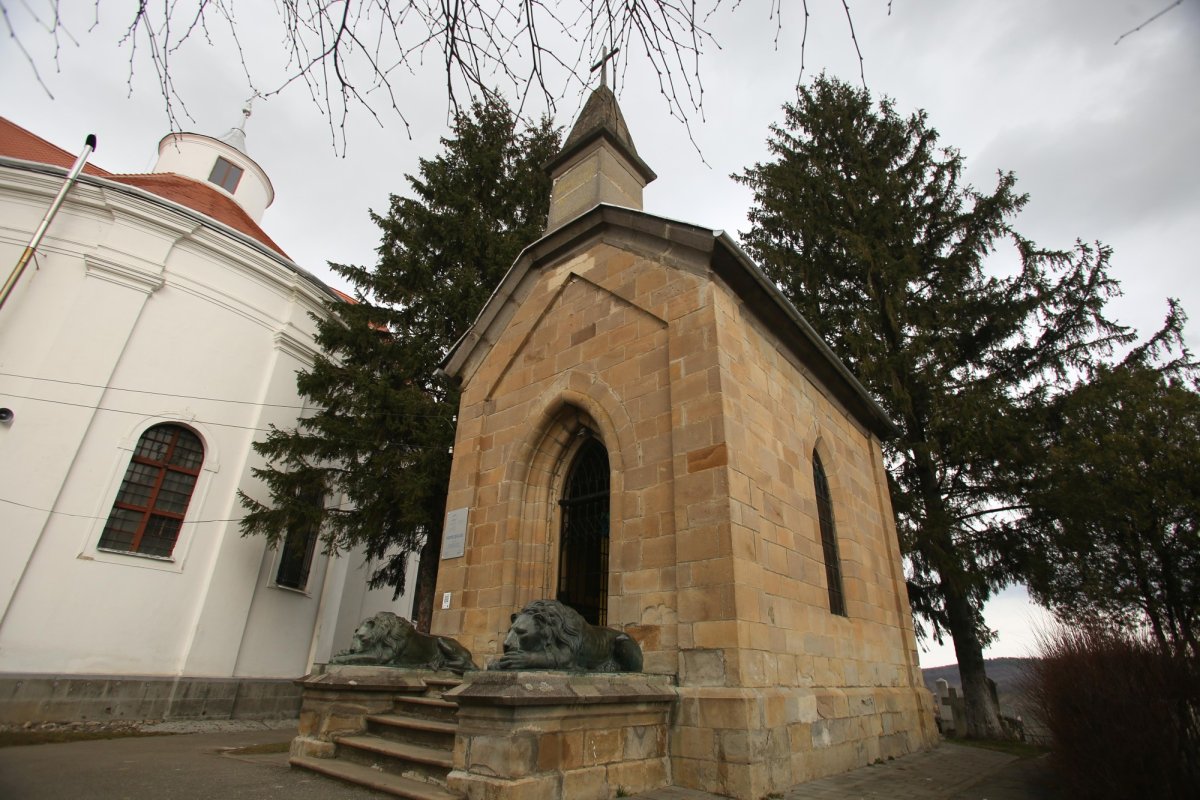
415	762
427	707
373	778
438	680
436	686
416	723
401	751
416	730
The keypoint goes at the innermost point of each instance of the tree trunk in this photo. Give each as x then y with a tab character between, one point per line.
982	710
426	582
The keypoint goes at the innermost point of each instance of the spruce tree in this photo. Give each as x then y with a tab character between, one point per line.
865	224
1112	526
383	429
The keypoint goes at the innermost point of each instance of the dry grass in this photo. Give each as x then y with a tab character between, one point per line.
1123	714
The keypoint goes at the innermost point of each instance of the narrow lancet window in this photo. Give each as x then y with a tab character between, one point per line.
833	566
583	549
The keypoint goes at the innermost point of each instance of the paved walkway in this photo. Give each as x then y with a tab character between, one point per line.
950	772
196	766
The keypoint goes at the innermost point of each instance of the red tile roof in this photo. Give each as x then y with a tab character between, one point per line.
16	142
200	197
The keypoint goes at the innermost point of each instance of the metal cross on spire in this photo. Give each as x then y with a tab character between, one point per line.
247	110
602	65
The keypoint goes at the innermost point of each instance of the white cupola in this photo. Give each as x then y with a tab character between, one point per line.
221	163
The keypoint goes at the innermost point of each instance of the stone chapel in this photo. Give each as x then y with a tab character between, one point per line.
650	432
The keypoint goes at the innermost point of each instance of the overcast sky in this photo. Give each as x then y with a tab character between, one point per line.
1105	138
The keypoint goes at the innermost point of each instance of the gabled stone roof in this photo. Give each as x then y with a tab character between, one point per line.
726	260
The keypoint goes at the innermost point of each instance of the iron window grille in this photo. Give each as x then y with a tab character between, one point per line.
153	499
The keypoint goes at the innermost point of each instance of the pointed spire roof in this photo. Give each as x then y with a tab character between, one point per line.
235	137
601	117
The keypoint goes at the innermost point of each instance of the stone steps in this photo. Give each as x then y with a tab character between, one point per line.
374	778
413	730
426	707
427	764
406	751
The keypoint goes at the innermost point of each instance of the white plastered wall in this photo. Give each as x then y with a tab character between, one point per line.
131	293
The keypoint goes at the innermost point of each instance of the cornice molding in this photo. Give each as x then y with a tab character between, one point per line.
138	278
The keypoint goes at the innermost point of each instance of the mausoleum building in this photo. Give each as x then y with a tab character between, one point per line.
650	432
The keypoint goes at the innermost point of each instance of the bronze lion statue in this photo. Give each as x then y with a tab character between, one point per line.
387	640
549	635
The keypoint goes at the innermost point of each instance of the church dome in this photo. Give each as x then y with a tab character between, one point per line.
221	163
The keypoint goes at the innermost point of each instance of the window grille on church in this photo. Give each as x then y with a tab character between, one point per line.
154	495
583	549
833	567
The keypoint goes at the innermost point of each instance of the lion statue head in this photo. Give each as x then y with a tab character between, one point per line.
385	629
388	640
546	626
546	634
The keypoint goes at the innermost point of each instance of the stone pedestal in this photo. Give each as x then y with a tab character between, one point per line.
339	700
551	735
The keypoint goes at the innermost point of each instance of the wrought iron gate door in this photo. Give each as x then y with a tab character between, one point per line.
583	549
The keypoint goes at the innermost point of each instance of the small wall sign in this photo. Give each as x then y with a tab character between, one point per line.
454	536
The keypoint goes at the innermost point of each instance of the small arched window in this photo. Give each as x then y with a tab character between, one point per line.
583	549
155	493
833	566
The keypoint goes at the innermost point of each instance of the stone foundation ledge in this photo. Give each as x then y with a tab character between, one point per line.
561	688
39	698
747	743
368	679
550	735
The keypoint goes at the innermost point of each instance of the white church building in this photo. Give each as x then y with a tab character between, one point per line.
153	338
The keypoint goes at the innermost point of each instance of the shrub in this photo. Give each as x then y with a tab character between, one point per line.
1123	714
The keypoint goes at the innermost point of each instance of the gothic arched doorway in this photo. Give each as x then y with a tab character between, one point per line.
583	547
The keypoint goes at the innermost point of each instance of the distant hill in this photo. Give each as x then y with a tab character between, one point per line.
1006	672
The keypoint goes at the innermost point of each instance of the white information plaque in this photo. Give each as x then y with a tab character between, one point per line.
454	536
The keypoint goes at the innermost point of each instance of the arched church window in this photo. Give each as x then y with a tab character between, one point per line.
583	548
833	566
154	495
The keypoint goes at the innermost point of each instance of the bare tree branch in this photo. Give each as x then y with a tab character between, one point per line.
1147	22
349	53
